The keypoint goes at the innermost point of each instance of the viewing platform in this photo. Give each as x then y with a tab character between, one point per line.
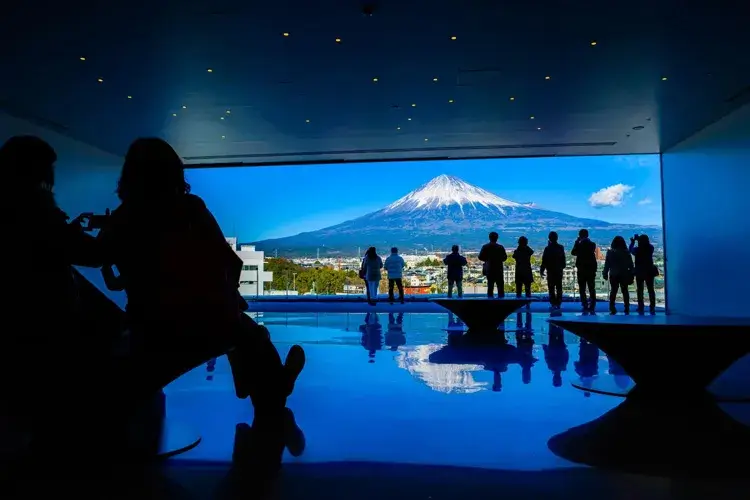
412	303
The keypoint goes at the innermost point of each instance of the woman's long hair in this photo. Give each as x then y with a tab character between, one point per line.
152	172
643	240
371	253
618	243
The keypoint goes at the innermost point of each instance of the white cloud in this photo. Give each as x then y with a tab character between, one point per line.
646	201
612	196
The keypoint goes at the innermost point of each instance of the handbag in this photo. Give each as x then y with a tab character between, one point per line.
629	277
485	268
363	271
654	271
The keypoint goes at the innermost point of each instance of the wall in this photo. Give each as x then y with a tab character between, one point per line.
85	177
706	189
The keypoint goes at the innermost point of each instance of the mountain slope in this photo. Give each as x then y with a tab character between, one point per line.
443	212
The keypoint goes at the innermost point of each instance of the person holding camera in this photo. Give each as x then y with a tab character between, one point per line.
47	342
645	270
584	250
618	269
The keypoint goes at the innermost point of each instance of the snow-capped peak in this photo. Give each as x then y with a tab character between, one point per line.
445	190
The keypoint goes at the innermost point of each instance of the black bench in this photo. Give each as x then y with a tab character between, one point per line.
482	315
667	356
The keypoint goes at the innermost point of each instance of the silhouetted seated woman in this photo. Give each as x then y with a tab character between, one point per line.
44	349
181	278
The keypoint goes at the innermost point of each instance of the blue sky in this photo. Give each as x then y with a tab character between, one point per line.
267	202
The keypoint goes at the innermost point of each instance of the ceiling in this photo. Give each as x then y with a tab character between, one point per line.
285	81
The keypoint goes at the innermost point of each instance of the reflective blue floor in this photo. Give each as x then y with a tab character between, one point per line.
371	393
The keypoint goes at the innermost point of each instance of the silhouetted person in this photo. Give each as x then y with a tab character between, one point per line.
371	266
618	269
645	270
493	256
584	251
556	354
587	366
455	263
553	263
181	278
394	266
44	343
522	255
372	335
394	337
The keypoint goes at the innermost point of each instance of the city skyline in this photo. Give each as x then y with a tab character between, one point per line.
268	202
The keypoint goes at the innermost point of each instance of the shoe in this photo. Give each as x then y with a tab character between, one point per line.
294	438
295	362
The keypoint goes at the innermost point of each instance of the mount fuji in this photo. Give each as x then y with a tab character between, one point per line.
447	211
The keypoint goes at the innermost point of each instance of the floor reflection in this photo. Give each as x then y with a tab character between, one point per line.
515	390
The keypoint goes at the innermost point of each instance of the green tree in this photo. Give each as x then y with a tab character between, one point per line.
283	273
428	262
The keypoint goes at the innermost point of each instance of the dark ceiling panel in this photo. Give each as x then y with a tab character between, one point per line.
221	80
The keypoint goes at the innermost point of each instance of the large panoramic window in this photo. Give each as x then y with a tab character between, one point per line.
312	223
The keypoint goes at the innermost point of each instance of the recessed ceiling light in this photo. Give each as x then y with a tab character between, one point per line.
338	40
450	101
413	105
174	114
435	79
82	58
130	97
375	79
99	80
539	128
184	107
547	77
663	78
453	38
531	117
512	98
285	34
223	137
210	70
221	118
307	121
409	119
229	111
426	139
398	128
593	43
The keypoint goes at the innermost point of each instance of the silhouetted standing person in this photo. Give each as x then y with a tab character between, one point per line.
584	250
455	263
371	266
645	270
493	256
522	255
618	269
587	366
394	266
553	263
372	335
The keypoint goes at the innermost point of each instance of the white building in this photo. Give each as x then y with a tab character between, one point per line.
253	276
